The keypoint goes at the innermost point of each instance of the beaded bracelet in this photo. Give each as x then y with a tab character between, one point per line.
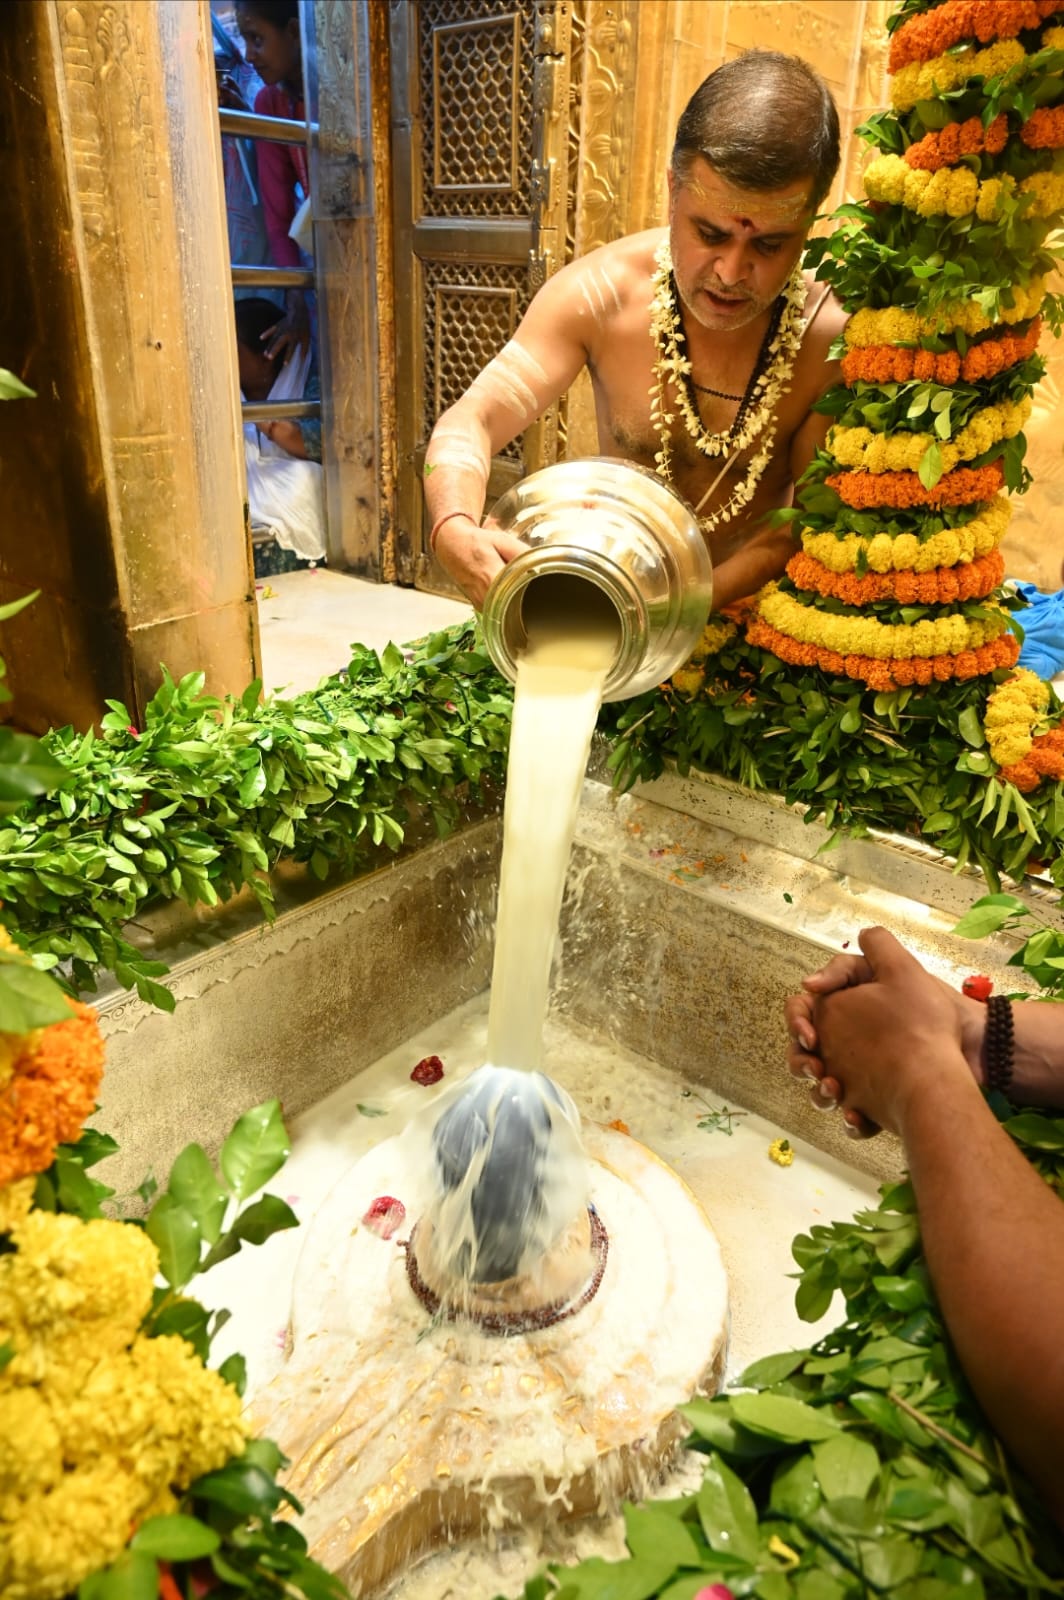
438	524
998	1043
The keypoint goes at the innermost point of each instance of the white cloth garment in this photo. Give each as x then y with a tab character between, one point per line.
285	493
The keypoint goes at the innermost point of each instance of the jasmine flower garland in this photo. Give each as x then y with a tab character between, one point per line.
757	418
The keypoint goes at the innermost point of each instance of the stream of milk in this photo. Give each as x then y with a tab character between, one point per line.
508	1153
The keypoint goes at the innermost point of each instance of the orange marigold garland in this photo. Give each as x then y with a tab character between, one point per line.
941	586
962	487
50	1092
932	33
1044	129
882	675
888	363
1045	759
949	145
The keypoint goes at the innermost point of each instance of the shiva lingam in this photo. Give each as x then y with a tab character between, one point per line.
523	1344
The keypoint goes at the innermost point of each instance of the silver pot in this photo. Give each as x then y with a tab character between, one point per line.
621	530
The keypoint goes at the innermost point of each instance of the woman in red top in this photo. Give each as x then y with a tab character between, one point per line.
270	30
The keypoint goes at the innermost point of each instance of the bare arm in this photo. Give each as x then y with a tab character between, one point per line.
528	374
993	1235
993	1231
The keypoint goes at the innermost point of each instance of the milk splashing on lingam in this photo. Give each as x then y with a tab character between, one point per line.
509	1158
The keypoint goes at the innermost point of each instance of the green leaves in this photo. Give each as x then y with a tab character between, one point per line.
860	1467
26	770
13	388
134	1576
176	1236
255	1149
188	1222
912	761
727	1514
29	998
203	799
781	1417
175	1538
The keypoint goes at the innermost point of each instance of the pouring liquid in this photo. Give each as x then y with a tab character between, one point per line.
508	1150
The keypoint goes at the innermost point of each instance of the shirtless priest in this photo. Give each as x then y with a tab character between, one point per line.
706	344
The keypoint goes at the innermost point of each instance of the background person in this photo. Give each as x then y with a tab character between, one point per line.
704	356
896	1048
283	456
272	46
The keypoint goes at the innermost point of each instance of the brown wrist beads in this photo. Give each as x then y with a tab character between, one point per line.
998	1043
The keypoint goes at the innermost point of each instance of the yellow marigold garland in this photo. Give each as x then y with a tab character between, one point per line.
904	552
1013	711
951	634
894	325
862	449
956	191
884	676
99	1425
921	80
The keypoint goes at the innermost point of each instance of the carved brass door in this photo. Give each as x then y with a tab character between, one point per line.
480	93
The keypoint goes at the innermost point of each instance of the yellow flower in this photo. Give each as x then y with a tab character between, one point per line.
924	80
158	1406
1013	711
781	1153
903	452
895	326
905	553
61	1536
864	636
949	192
72	1291
15	1202
1048	191
31	1457
100	1426
715	635
688	680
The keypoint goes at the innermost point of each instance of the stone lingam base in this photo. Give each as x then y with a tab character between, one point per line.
408	1430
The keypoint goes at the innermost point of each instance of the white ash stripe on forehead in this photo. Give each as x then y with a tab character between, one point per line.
509	378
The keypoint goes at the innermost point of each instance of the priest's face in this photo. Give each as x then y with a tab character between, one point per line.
733	249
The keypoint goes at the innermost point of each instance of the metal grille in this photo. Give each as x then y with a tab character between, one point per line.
471	309
476	66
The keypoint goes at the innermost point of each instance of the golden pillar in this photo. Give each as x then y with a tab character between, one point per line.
123	478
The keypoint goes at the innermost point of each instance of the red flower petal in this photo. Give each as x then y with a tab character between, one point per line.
428	1071
385	1216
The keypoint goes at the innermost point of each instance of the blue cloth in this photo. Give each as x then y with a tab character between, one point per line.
1043	630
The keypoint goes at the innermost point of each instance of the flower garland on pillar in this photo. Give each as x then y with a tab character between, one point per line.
944	271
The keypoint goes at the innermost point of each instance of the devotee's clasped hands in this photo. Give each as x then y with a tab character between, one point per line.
867	1031
896	1048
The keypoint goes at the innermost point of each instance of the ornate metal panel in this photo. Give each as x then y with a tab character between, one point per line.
480	94
477	133
470	313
